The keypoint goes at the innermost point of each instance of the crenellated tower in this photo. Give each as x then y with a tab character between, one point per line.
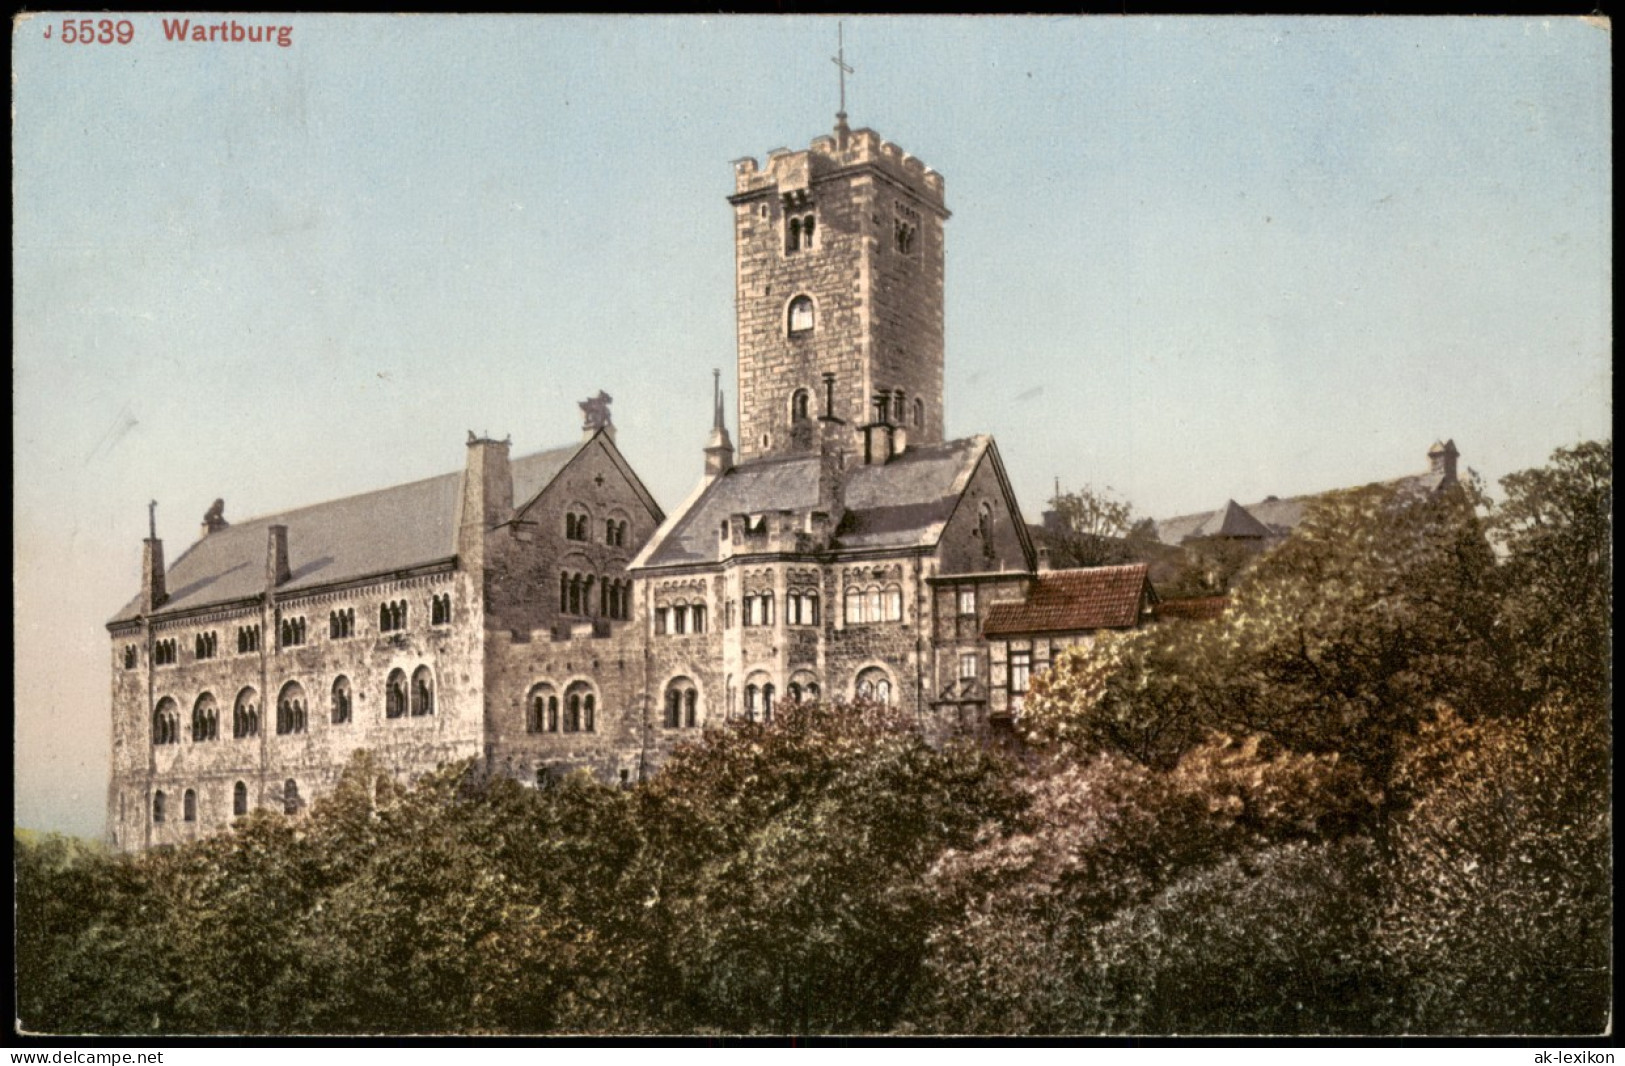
839	270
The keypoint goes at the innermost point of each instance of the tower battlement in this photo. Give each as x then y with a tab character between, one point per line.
788	171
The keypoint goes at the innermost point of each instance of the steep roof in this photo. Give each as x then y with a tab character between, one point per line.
378	532
1071	601
1231	520
904	503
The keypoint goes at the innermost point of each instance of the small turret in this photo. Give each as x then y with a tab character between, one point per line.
1442	461
719	450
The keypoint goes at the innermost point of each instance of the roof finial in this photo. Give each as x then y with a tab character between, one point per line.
152	520
839	59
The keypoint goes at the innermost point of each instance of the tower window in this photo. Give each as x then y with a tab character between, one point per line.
801	315
903	237
798	406
798	233
919	413
239	799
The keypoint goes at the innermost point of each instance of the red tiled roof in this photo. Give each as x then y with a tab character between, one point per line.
1199	608
1100	597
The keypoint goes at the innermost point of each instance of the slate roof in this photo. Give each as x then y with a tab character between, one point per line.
1277	515
1071	601
904	503
379	532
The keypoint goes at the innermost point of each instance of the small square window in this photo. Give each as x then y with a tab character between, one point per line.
967	665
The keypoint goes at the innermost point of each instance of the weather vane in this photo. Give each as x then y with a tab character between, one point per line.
839	59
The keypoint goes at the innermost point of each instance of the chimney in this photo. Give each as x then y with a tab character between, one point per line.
153	593
719	450
831	458
879	436
276	557
1043	558
487	497
1442	460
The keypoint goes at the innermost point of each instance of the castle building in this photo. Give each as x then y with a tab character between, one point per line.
542	614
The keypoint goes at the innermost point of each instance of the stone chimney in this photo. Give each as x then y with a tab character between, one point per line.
719	450
1442	460
831	458
879	435
277	570
153	593
1043	558
487	497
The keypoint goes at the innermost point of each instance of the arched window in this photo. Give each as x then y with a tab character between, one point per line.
341	700
872	606
984	525
564	593
897	406
205	719
753	697
395	695
854	606
290	796
792	238
894	603
290	709
793	690
767	702
542	710
874	685
682	703
812	691
159	803
245	715
189	806
422	692
239	799
801	314
166	723
919	412
579	708
798	405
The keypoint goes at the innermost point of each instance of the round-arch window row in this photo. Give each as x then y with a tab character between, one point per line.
578	525
575	712
404	697
291	801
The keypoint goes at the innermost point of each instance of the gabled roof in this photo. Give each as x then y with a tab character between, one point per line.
904	503
1231	520
375	533
1073	601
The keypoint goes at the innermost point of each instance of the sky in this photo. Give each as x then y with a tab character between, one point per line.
1190	259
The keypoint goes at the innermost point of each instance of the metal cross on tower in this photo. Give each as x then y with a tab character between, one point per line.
839	59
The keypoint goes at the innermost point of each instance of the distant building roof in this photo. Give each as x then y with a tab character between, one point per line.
1279	516
903	503
1071	601
397	528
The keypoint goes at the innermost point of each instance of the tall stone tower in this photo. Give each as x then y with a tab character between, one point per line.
838	271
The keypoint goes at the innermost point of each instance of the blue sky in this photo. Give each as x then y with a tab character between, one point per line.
1190	259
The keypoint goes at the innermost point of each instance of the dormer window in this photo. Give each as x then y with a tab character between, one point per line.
801	315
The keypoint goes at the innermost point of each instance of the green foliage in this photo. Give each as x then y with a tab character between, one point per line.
1556	526
1499	897
1103	841
1340	640
789	859
1094	528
